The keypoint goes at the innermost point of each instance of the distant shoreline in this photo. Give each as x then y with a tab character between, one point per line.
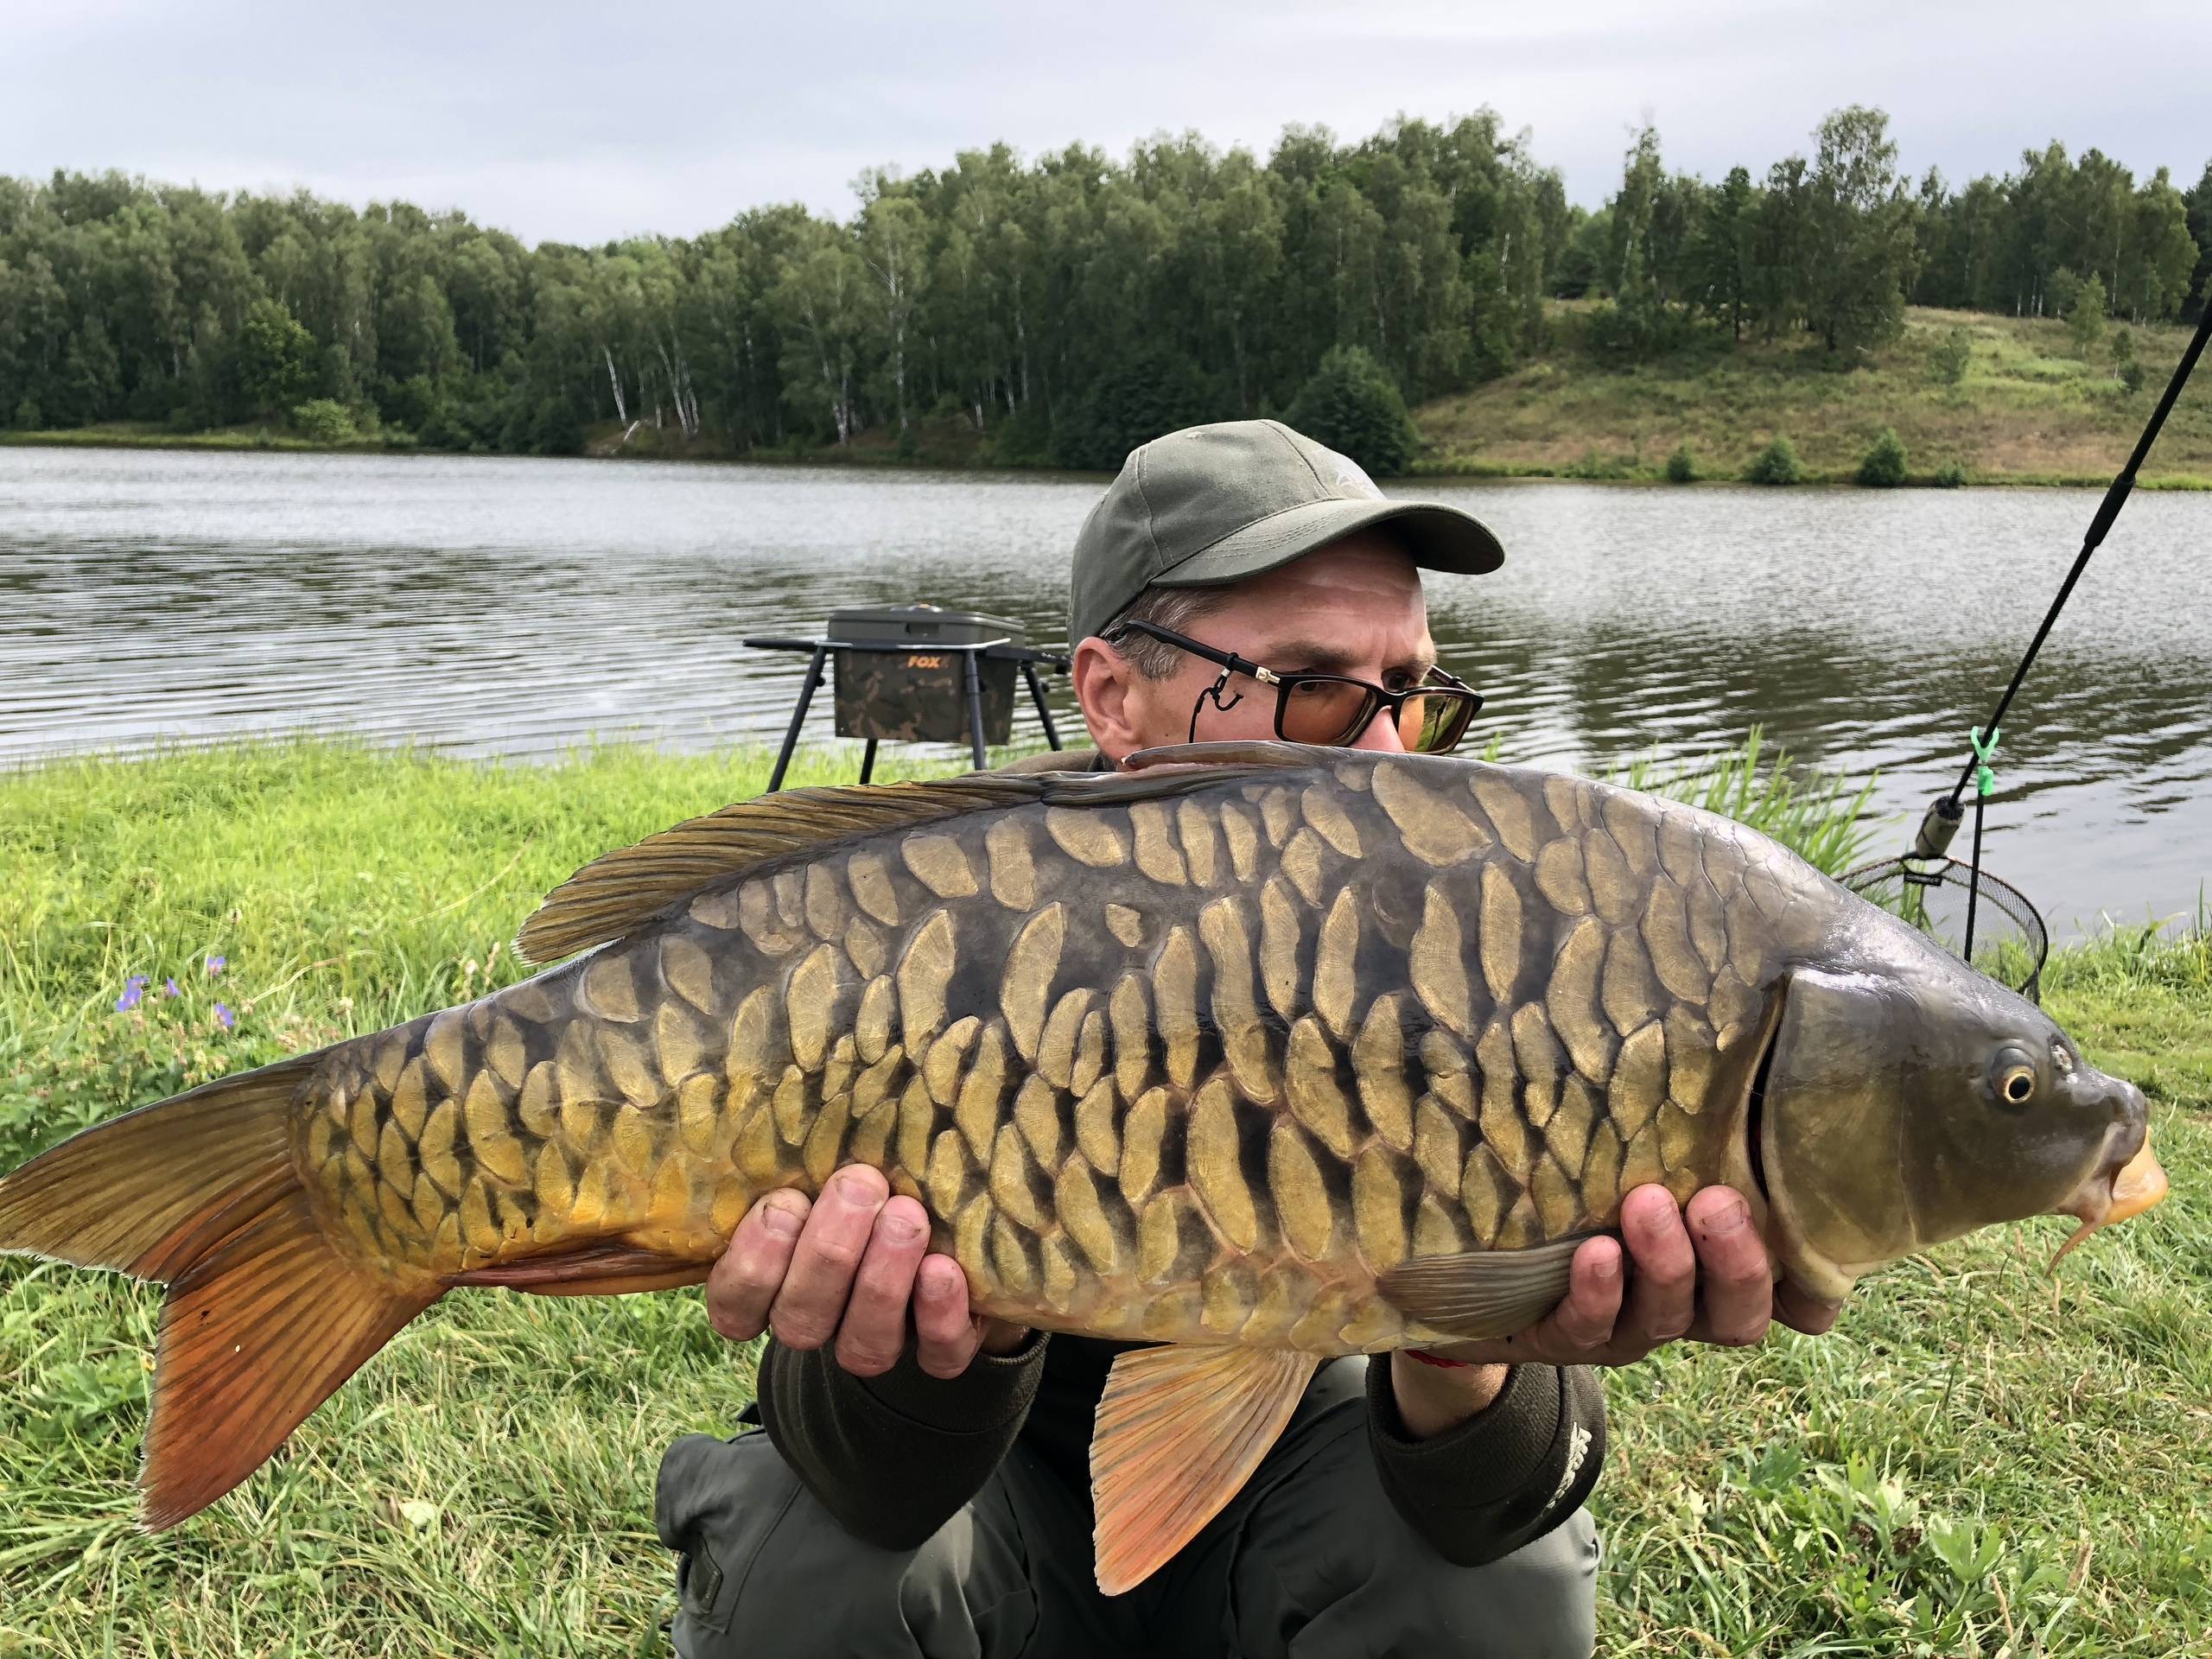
1442	470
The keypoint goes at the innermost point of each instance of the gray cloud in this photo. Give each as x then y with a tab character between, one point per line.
582	122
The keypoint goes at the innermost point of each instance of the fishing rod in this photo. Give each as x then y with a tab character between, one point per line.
1945	814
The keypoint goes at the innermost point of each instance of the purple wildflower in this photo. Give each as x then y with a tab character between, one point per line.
133	988
168	988
223	1017
216	964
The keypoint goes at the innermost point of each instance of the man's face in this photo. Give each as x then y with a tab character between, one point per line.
1353	607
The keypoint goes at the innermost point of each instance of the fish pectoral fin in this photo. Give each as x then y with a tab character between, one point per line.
255	1334
1481	1292
1179	1432
598	1267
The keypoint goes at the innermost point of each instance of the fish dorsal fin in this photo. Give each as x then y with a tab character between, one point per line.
1482	1292
1250	753
617	891
1178	1433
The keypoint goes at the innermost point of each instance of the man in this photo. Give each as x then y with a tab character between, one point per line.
922	1488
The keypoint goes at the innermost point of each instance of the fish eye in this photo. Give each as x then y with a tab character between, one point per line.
2013	1075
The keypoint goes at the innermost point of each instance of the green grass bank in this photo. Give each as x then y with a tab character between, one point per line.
1981	1460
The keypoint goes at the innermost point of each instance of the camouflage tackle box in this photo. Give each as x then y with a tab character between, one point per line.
919	693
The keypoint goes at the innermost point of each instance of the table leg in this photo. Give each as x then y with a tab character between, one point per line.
1043	712
974	707
798	718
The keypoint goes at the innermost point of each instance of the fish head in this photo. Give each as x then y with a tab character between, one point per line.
1899	1107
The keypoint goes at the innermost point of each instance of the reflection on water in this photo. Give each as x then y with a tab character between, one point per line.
519	606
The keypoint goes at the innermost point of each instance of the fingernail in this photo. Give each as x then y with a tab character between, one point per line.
779	1220
1733	1214
1609	1270
902	1227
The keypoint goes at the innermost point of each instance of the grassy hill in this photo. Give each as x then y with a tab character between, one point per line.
2029	411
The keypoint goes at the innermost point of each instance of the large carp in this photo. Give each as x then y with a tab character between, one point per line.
1272	1052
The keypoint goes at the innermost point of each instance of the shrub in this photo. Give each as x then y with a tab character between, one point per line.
2085	314
1949	476
28	418
1682	466
1884	466
1777	464
2131	376
324	420
1352	404
1953	354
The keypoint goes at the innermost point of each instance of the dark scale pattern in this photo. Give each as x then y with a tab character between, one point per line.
1199	1066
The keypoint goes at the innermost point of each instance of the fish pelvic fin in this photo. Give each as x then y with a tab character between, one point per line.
1179	1432
264	1317
1482	1292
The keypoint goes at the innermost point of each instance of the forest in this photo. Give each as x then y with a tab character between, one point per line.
1063	307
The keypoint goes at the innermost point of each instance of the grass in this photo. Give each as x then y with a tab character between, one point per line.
1975	1452
2029	411
150	434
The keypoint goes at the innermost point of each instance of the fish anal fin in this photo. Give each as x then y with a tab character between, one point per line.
1482	1292
1180	1431
256	1333
596	1268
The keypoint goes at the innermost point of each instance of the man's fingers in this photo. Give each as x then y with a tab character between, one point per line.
1735	1281
807	1310
1584	1322
1662	1277
945	1337
874	1331
744	1281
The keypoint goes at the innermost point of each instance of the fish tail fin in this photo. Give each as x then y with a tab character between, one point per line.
264	1319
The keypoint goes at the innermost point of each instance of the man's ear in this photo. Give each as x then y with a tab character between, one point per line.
1103	680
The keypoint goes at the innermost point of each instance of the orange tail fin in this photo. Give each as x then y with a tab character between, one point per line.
264	1317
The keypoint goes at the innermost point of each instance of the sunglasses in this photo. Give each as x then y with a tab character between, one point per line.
1332	710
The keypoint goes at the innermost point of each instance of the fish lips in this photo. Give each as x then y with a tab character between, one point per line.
2128	1179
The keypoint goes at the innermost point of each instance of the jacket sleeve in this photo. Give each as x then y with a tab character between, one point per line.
1505	1476
892	1457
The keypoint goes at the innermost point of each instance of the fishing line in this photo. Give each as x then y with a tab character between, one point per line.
1944	814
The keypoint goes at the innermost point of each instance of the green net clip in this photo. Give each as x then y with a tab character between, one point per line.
1985	780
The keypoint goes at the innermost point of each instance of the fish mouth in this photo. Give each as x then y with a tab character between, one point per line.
2128	1181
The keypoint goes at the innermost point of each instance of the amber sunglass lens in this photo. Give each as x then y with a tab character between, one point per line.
1323	711
1435	721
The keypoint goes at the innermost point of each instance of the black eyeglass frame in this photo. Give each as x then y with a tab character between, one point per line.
1379	697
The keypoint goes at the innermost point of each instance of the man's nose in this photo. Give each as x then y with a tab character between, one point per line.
1382	735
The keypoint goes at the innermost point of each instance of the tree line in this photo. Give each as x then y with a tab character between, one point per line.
1062	307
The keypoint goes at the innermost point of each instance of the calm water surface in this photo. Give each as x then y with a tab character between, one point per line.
512	606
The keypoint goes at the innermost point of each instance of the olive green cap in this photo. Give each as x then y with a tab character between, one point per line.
1211	504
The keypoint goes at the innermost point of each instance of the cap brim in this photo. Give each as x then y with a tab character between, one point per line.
1438	536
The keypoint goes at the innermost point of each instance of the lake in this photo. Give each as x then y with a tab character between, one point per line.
507	606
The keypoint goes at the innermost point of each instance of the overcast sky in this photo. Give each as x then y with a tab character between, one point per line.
582	122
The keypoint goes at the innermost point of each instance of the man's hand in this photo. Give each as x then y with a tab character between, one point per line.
1710	1280
853	1268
